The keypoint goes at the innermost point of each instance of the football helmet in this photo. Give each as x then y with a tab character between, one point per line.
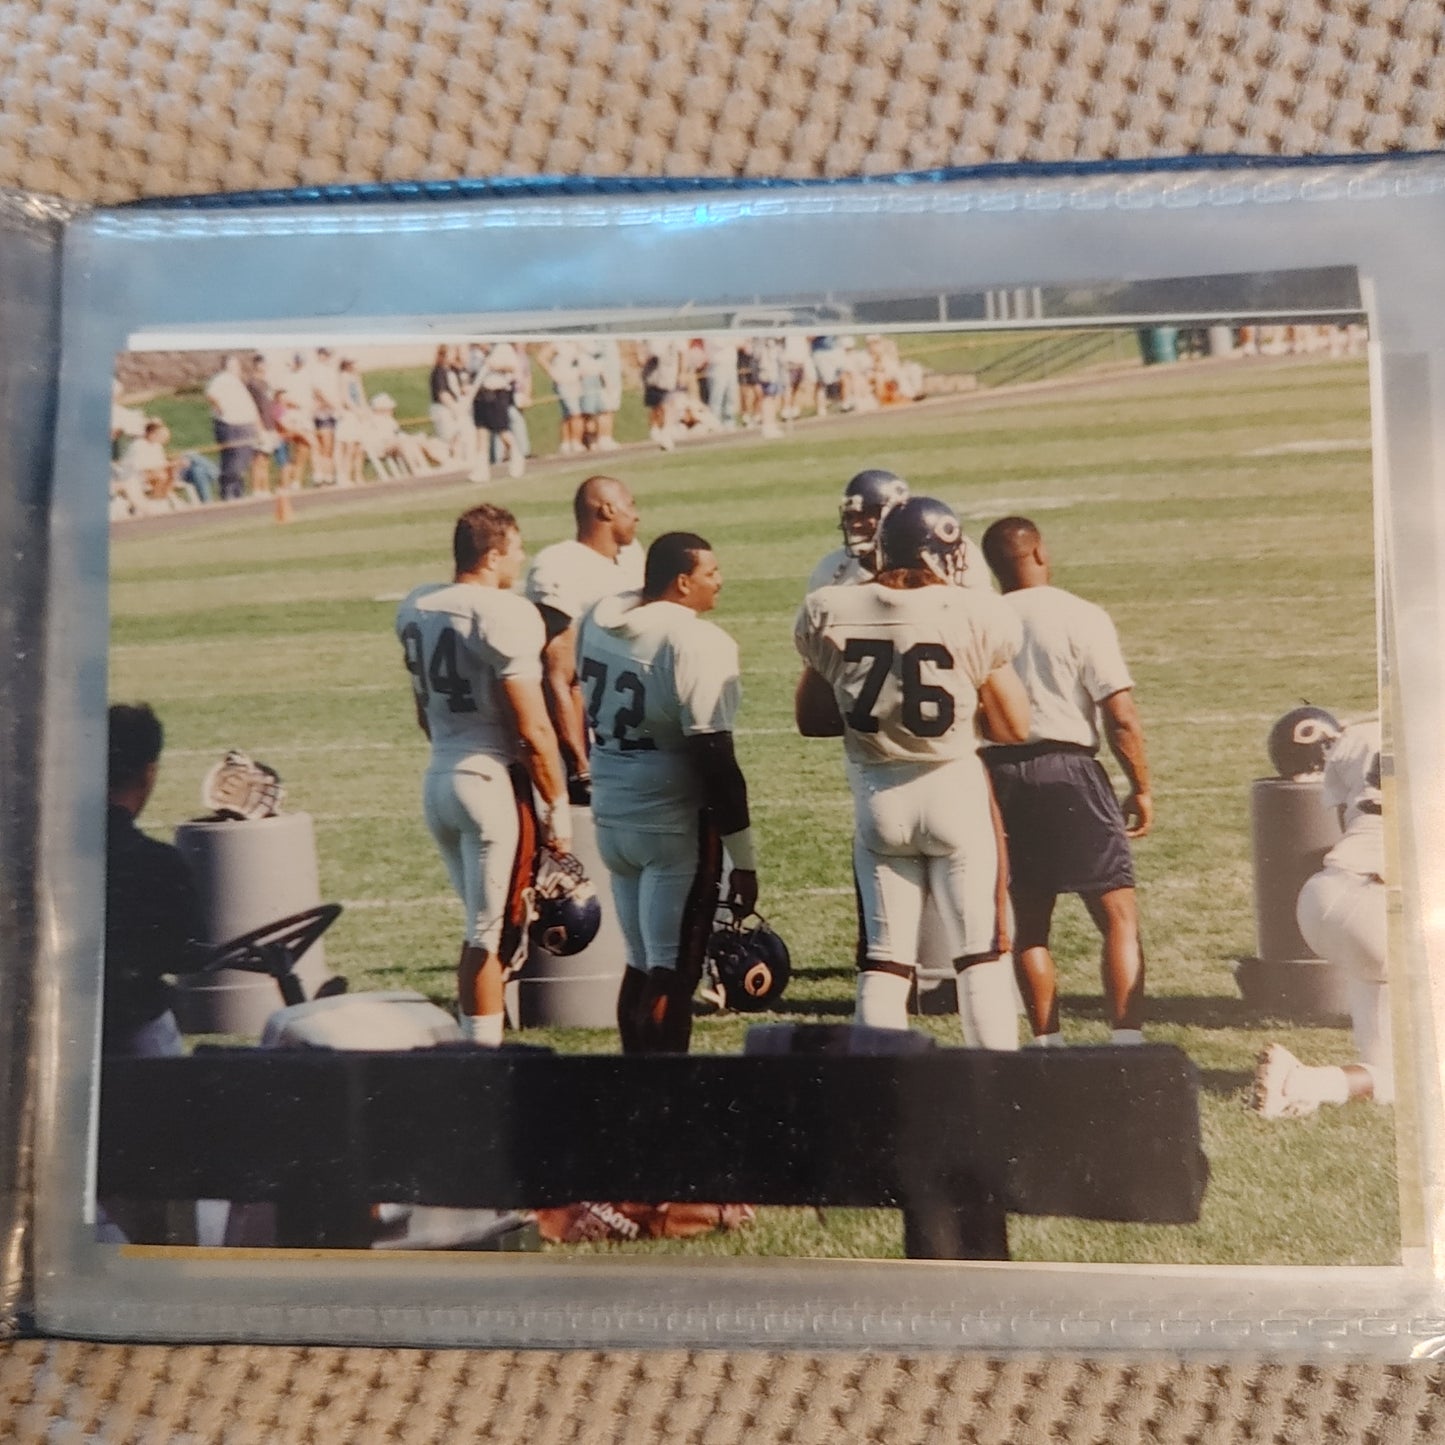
566	912
922	532
746	964
866	500
1300	741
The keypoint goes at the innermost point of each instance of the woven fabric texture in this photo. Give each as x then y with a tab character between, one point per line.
107	101
64	1392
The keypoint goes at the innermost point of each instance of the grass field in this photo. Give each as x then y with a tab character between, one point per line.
1222	515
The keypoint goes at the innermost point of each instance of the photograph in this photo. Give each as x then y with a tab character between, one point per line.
818	714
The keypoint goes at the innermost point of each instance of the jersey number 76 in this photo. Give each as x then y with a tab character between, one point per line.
927	710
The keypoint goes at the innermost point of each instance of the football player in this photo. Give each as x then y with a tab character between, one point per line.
564	581
1066	831
905	668
867	499
473	648
1341	915
668	795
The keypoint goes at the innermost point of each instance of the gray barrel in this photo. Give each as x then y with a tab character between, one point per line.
1292	830
248	874
579	991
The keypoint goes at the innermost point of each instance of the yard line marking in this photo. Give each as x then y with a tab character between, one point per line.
1317	444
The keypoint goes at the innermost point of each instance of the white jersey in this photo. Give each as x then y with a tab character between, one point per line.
906	665
841	569
460	641
1070	662
569	577
1352	782
654	674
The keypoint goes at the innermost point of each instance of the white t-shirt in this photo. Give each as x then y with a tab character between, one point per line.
234	404
840	569
1352	778
570	576
1070	662
653	674
459	641
906	665
143	456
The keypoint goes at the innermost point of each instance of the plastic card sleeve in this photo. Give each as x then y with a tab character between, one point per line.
1215	388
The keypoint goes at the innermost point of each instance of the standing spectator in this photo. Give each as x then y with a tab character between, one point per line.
768	360
1066	830
496	381
722	378
446	397
749	393
902	666
560	360
259	385
297	433
325	384
594	362
352	412
237	426
661	377
667	792
473	648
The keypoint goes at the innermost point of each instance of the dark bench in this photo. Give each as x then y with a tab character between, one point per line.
956	1139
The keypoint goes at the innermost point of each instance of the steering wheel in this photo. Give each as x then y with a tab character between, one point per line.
275	948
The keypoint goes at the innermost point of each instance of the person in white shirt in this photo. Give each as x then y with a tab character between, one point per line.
493	404
668	796
1066	830
237	426
565	580
1342	916
906	668
473	648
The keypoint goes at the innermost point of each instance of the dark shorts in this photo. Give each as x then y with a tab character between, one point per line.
492	410
654	396
1064	825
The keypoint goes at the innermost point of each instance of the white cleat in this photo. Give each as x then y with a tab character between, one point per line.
1270	1096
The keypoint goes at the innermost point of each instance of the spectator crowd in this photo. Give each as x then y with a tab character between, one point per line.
307	420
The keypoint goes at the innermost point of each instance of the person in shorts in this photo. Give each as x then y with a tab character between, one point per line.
1066	830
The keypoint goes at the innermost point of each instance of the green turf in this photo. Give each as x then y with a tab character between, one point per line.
1240	582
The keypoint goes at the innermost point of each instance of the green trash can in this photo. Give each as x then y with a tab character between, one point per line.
1159	344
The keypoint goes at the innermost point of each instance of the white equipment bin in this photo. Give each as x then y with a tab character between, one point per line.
579	991
248	874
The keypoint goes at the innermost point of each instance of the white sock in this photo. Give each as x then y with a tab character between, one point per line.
1326	1082
1048	1041
1127	1036
986	1005
482	1029
882	1000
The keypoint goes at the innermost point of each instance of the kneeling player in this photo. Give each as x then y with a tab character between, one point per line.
900	666
667	793
1341	915
474	651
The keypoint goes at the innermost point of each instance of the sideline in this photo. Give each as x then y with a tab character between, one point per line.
983	399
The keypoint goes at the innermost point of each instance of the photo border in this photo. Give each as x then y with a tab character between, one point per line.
135	270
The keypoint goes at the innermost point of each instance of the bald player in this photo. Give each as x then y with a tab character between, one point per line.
565	580
1066	830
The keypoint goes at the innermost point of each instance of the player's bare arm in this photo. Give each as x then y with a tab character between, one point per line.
815	708
564	696
1004	706
1125	733
725	797
544	761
